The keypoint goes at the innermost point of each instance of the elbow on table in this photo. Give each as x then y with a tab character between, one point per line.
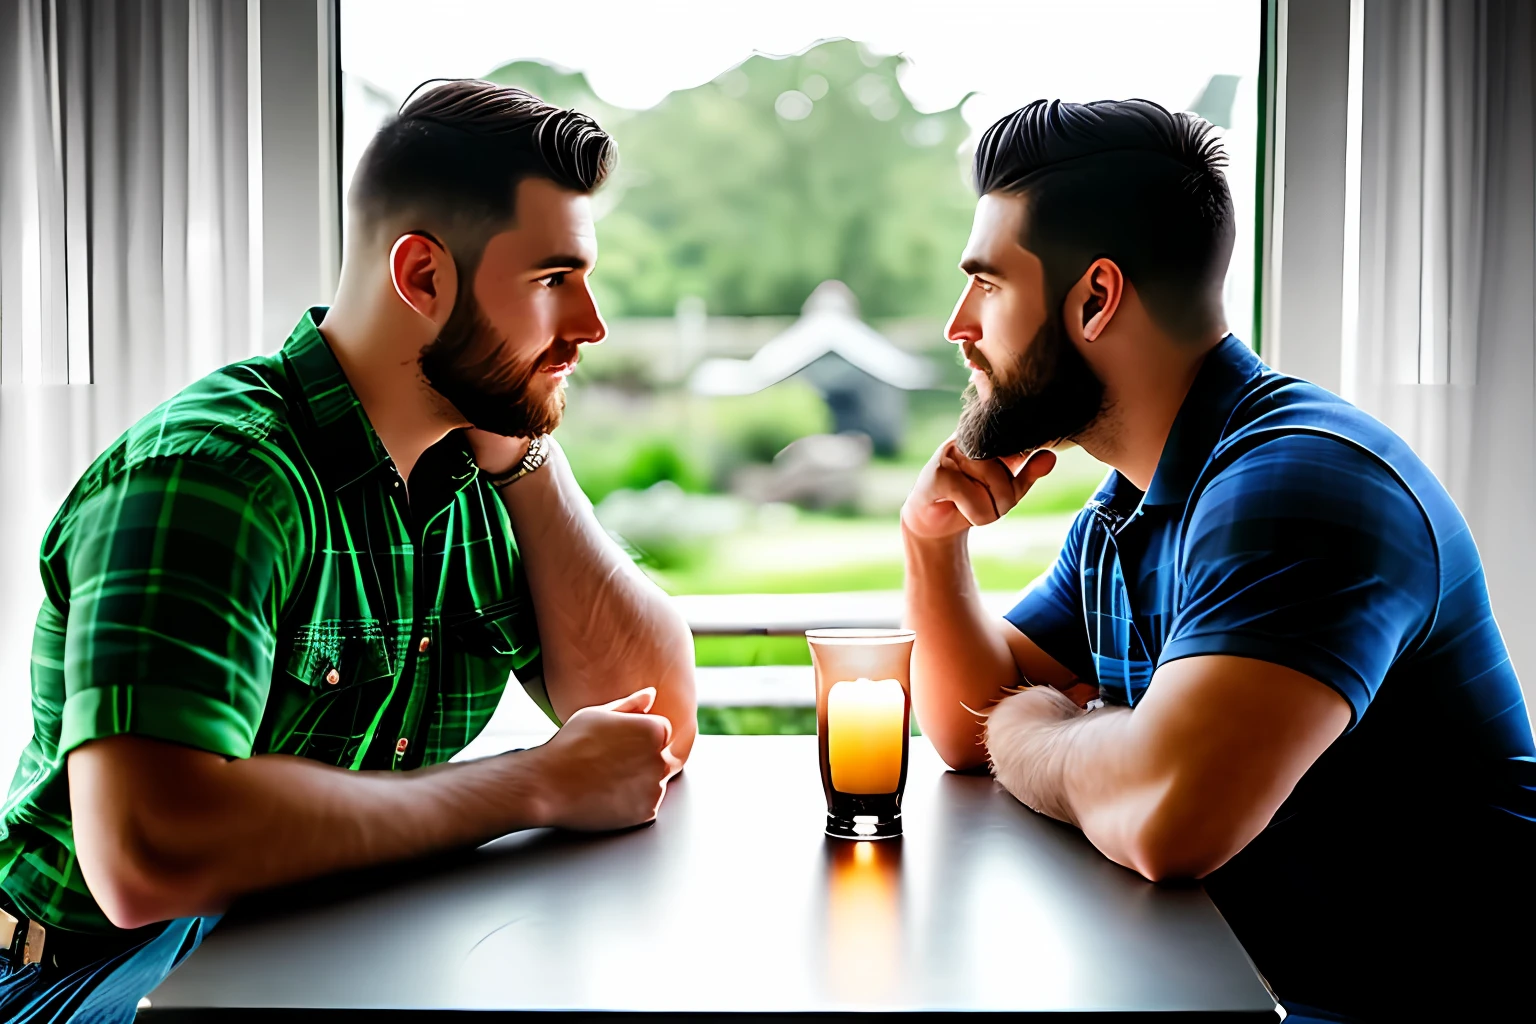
1162	851
960	749
682	698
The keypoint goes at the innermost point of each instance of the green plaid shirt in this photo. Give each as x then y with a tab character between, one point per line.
242	573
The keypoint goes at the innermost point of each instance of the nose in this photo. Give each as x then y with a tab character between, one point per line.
586	326
963	325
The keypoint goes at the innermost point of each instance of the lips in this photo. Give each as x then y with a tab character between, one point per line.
561	366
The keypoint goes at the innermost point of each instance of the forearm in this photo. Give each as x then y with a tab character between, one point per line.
1093	770
960	662
219	829
606	629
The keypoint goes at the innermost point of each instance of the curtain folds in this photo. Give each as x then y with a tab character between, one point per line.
1446	350
125	248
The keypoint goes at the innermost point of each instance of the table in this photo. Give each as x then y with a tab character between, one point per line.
735	901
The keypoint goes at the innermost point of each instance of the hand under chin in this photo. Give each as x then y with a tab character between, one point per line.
495	453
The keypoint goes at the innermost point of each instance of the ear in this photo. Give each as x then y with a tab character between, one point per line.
1095	298
424	276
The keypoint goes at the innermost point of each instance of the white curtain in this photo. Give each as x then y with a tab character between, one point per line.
125	250
1446	349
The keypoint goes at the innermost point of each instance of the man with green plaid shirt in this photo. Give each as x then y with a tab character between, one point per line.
285	595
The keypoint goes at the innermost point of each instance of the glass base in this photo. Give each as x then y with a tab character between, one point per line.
864	826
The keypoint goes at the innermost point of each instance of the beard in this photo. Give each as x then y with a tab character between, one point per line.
465	365
1052	396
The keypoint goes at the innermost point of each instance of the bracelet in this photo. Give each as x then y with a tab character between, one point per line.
538	454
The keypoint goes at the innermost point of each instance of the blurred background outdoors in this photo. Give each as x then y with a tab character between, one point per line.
778	251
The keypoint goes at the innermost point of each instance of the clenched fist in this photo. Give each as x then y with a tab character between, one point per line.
608	767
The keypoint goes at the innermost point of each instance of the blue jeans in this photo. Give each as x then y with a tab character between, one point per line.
105	992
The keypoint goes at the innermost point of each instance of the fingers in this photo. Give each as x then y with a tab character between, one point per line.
666	730
995	476
1037	466
638	702
1006	479
968	493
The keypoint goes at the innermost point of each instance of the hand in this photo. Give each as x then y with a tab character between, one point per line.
496	454
954	493
608	767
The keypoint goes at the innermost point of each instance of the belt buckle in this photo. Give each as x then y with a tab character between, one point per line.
21	939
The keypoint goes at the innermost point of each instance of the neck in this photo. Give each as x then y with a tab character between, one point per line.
378	351
1141	403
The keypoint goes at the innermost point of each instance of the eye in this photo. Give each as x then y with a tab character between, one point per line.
986	286
554	280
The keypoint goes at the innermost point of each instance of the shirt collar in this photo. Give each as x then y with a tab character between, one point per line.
1218	387
347	447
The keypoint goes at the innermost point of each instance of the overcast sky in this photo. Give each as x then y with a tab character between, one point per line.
635	52
1009	52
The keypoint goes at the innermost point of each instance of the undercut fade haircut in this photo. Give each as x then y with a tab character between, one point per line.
449	163
1122	179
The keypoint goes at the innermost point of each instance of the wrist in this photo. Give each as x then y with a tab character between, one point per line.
950	549
528	773
536	453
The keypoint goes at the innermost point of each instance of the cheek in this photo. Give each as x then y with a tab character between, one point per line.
522	322
1011	324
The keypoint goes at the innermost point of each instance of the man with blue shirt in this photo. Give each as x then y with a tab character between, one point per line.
1274	615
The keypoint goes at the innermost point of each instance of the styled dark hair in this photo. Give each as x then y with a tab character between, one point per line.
450	161
1126	180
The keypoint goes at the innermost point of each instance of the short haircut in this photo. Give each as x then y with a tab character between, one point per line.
1126	180
450	161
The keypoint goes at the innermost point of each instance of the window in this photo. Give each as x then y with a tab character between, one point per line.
793	185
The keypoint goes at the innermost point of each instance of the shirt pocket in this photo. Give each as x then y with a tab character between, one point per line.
333	655
501	629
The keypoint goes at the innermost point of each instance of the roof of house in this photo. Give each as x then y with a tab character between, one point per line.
829	323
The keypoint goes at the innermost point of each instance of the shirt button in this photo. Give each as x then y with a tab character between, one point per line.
333	677
400	746
426	642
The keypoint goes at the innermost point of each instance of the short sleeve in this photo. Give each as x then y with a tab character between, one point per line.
172	578
1050	611
1308	553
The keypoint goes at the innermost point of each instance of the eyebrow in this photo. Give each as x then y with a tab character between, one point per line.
563	262
975	266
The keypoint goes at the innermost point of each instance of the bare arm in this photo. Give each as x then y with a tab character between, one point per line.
605	627
165	831
965	658
1178	786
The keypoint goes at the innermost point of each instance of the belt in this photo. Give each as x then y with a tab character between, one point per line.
25	941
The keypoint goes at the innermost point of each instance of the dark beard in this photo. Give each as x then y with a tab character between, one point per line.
464	365
1053	395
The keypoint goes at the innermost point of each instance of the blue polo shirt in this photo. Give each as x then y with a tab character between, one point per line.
1284	524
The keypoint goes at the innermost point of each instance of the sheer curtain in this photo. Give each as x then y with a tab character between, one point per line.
1445	350
126	267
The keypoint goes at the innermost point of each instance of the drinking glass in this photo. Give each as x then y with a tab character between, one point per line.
863	716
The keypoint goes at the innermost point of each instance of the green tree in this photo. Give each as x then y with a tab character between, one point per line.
781	173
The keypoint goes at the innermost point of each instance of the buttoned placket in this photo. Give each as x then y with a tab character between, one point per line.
1101	573
419	659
